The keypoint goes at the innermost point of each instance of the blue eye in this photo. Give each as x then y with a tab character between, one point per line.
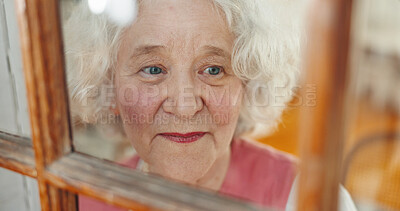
152	70
213	70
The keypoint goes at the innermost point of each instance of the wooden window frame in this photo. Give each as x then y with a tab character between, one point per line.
63	173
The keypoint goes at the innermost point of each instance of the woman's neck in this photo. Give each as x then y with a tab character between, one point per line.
215	176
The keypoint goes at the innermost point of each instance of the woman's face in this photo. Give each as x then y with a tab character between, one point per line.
176	92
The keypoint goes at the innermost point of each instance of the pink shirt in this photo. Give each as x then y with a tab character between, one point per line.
256	173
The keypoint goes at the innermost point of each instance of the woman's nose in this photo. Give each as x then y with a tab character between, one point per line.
183	100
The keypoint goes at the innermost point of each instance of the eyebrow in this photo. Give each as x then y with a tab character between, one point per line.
207	49
212	50
146	50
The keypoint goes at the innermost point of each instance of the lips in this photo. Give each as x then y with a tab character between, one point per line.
183	138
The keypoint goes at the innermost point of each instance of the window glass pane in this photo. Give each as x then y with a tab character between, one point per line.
189	90
18	192
13	104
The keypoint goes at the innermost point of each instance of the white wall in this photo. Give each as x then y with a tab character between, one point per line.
17	192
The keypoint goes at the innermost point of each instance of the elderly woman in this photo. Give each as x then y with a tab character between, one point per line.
189	77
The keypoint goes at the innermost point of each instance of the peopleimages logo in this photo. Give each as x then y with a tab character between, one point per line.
259	96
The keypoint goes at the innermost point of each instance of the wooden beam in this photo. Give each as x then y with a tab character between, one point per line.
42	53
322	131
132	189
16	154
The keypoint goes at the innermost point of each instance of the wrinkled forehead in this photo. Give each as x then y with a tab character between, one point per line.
179	24
171	4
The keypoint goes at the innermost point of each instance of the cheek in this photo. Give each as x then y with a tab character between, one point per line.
138	104
224	102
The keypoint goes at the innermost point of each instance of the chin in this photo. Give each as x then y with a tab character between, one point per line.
187	169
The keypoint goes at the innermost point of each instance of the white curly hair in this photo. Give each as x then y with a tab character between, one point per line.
266	57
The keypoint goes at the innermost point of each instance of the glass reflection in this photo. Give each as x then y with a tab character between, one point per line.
193	87
183	84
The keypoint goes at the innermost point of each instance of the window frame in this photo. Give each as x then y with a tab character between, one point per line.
62	173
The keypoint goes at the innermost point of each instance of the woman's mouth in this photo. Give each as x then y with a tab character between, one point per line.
183	138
